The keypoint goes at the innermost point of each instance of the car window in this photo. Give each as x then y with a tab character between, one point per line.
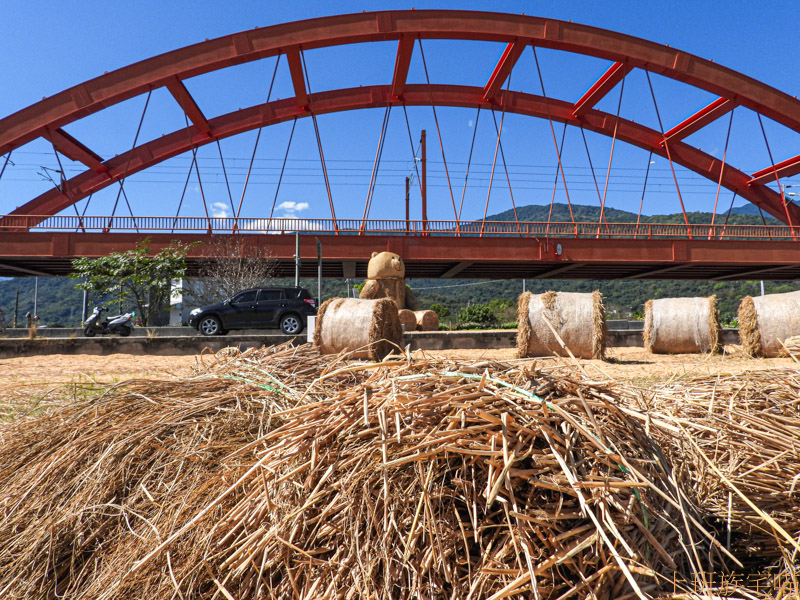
270	295
303	293
245	297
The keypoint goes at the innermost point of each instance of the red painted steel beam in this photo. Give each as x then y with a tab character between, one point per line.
298	79
74	150
418	251
117	86
502	70
405	48
189	106
786	168
700	119
278	111
600	88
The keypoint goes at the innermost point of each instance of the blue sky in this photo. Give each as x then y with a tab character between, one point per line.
46	46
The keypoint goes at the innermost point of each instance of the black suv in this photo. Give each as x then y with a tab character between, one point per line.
259	308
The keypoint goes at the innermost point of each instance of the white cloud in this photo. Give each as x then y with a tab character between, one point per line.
219	210
470	123
281	225
293	207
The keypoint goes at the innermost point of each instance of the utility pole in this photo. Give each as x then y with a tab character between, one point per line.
16	309
319	273
85	307
424	183
408	190
35	295
297	259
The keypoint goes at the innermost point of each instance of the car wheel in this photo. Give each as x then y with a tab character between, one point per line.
209	326
291	324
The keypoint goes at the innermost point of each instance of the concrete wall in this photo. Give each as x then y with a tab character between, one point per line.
194	344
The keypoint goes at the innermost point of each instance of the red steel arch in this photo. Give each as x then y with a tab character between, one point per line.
46	118
262	115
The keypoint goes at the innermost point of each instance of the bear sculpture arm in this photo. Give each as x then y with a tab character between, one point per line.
411	300
371	290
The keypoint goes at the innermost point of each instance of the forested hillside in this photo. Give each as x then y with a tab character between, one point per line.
59	303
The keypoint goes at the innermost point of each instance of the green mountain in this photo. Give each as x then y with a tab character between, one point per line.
591	214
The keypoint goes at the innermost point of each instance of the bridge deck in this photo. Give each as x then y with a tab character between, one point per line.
435	249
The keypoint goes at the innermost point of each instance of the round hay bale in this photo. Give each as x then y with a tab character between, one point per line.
765	321
681	325
367	328
408	319
546	321
427	320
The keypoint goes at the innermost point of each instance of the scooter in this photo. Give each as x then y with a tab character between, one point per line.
95	325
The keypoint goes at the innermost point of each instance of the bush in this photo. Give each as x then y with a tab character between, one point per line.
478	314
441	311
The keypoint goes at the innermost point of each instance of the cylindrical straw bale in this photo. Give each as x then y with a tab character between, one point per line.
681	325
765	321
427	320
408	319
367	328
553	322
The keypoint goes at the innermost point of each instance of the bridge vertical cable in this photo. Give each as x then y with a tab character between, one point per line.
225	175
503	157
280	177
610	157
644	191
665	144
374	175
558	152
439	133
122	181
414	152
319	145
63	189
591	168
197	172
777	178
469	162
235	227
721	172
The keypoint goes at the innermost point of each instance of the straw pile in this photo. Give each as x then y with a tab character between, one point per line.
408	319
681	325
281	473
765	321
427	320
365	328
736	448
561	323
792	346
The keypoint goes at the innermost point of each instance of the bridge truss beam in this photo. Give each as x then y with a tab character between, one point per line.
379	96
433	256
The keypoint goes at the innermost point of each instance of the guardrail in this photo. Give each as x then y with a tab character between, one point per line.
99	224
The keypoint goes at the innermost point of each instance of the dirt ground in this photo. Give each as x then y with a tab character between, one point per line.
635	364
34	377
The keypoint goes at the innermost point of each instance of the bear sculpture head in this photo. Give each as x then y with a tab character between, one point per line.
386	265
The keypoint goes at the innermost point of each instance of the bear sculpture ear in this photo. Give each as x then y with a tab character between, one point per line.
374	254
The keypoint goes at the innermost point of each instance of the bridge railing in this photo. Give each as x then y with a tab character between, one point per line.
203	225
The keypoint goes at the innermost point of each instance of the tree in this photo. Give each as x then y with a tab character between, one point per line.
134	275
231	264
441	311
478	314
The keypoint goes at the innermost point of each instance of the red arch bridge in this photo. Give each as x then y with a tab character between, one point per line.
45	232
